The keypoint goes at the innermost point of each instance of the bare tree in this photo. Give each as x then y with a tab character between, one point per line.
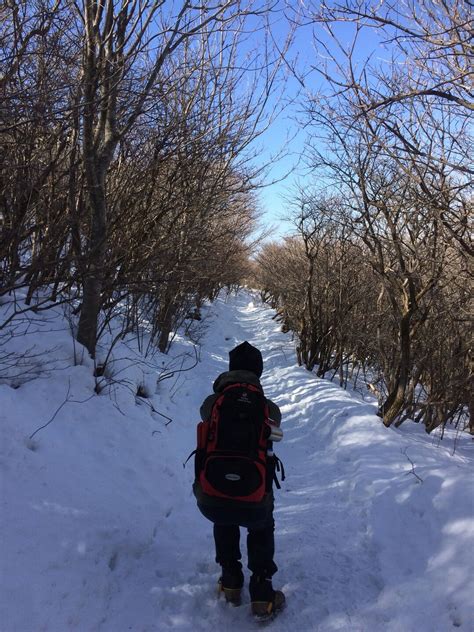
390	135
127	53
416	98
37	142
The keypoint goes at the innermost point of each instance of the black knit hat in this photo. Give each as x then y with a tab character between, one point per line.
247	358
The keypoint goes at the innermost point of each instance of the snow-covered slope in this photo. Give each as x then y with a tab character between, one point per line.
374	527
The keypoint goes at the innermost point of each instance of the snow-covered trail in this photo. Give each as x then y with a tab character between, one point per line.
347	477
327	559
374	527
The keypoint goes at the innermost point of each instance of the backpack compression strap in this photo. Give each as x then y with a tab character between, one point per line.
250	387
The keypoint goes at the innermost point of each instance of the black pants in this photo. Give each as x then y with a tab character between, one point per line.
228	519
260	547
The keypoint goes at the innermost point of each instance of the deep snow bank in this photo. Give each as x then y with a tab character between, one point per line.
100	530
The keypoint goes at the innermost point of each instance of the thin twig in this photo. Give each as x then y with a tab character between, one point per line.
412	471
153	410
66	401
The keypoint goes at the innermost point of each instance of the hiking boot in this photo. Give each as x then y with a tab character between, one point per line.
230	583
265	601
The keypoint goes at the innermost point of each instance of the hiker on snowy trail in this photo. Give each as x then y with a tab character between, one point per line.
235	468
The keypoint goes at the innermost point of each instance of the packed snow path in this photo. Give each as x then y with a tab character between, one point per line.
324	549
374	527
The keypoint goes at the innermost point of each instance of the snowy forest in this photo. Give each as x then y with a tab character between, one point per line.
128	184
136	251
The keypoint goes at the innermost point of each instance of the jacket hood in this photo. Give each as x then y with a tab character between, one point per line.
233	377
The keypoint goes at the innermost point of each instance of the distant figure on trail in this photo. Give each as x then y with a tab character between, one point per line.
235	468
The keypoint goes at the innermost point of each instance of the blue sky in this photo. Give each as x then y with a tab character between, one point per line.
287	171
282	145
272	197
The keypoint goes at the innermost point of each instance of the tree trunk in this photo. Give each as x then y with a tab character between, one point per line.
94	274
165	328
396	398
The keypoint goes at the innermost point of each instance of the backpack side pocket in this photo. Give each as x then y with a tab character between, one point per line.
201	444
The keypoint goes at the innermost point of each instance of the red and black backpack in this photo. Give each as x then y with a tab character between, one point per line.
231	459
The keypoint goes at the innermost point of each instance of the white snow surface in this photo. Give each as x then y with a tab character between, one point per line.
100	530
